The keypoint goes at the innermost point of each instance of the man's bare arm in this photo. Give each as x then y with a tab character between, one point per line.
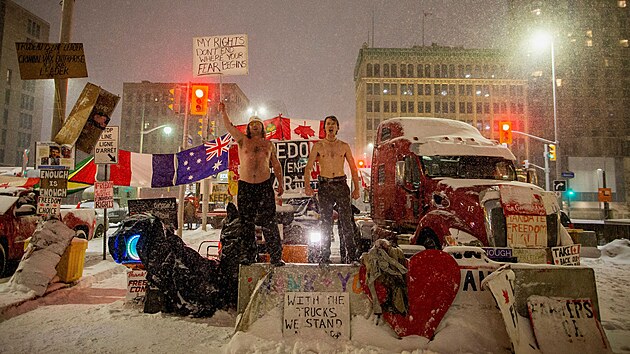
277	170
236	134
353	171
308	169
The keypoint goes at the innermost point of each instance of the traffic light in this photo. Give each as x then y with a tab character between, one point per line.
201	127
360	163
505	132
175	96
552	152
199	100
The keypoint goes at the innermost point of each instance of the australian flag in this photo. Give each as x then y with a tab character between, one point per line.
203	161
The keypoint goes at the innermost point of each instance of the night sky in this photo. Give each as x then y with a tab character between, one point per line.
301	53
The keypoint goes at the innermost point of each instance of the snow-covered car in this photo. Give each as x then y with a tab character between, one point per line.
114	215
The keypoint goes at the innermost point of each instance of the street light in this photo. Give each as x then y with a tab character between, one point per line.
541	40
167	130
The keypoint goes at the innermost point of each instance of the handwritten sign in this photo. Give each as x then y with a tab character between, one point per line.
104	195
51	60
48	205
526	230
316	314
565	325
225	55
566	255
163	208
53	183
136	285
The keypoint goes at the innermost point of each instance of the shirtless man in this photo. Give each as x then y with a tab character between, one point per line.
332	153
256	199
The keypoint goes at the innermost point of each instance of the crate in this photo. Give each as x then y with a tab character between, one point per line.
70	267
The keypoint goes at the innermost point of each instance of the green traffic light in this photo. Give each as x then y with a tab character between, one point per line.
570	192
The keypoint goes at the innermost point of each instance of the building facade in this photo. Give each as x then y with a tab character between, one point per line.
476	86
591	60
22	100
145	108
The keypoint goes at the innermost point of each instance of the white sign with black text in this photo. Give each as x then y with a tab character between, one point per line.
106	149
321	314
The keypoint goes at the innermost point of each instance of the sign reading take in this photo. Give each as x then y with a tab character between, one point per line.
106	149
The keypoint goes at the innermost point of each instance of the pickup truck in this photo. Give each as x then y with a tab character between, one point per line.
19	219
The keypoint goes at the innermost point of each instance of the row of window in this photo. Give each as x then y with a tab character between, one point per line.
28	102
436	70
26	121
24	140
445	107
482	126
33	28
445	90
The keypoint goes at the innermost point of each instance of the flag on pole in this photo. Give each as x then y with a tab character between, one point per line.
203	161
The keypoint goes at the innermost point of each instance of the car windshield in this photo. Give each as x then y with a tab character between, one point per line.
470	167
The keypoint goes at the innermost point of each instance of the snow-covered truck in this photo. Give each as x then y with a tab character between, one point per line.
438	182
18	221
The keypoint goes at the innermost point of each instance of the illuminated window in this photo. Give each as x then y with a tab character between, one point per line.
623	43
589	42
621	3
589	33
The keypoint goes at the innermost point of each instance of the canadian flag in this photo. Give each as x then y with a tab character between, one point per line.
281	128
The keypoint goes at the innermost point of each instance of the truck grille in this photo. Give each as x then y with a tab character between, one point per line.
496	226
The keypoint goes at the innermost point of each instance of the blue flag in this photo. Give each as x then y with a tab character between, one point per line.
203	161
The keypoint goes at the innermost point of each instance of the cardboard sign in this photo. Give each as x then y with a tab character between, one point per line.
53	183
51	60
565	325
316	314
526	230
104	195
50	155
163	208
225	55
136	285
566	255
88	119
48	205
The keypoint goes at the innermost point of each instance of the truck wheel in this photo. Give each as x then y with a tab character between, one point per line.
429	241
3	260
100	231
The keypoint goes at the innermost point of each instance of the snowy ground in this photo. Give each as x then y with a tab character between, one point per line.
92	317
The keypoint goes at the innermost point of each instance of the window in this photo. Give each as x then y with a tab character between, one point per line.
420	70
381	175
462	107
403	107
513	108
410	107
369	89
394	106
436	71
394	88
368	106
469	107
436	89
451	70
394	71
368	124
377	70
409	70
420	89
385	70
403	70
486	108
5	116
377	89
386	89
621	3
427	107
445	107
9	76
479	108
7	96
495	106
420	107
386	106
438	107
377	106
521	108
427	90
427	70
444	70
623	43
368	70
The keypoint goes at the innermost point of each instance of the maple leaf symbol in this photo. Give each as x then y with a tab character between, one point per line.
506	296
304	131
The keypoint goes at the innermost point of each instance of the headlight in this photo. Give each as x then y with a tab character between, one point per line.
315	237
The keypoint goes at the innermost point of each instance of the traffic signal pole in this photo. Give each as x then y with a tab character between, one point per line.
546	154
180	206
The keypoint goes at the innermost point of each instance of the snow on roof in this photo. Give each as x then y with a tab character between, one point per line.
447	137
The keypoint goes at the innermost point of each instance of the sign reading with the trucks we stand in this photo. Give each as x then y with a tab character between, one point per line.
106	149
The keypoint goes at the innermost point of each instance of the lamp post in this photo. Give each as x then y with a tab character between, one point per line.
544	39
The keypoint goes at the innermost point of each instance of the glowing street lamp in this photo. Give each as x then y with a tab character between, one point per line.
167	130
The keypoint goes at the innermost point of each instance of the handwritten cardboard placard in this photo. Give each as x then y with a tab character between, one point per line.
225	55
325	314
566	255
136	285
51	60
104	195
48	205
526	230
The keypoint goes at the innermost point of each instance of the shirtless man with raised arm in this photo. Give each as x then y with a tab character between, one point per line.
332	153
256	198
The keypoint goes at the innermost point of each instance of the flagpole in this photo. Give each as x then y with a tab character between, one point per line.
204	183
180	206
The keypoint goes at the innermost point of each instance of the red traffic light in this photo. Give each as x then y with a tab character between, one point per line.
505	132
199	100
360	163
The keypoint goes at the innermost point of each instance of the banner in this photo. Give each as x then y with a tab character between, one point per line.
51	60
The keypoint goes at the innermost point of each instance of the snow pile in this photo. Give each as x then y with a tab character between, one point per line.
617	251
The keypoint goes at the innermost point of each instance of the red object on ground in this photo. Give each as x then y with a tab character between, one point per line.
432	283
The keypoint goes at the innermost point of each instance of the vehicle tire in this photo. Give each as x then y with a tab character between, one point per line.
3	260
100	231
429	241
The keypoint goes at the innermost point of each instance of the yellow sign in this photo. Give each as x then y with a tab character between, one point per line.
51	60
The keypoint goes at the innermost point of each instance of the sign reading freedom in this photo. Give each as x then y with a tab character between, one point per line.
51	60
225	55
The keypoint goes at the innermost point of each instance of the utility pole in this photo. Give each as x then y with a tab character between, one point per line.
546	154
61	85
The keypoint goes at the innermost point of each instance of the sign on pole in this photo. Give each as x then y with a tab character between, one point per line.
51	60
106	149
568	174
559	185
225	55
104	195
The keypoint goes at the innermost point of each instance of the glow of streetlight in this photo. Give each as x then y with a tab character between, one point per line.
542	40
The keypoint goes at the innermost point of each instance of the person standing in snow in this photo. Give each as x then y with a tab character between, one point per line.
189	214
256	199
332	153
